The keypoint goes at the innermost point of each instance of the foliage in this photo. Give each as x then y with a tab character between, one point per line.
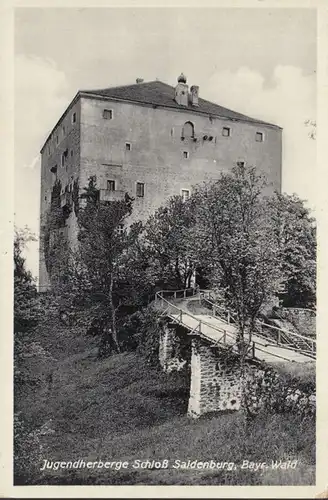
29	356
54	234
235	238
26	312
295	235
100	276
168	244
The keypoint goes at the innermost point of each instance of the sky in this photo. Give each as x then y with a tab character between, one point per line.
257	61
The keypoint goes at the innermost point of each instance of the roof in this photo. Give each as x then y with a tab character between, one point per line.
157	93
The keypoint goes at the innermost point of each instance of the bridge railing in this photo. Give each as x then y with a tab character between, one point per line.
279	336
226	339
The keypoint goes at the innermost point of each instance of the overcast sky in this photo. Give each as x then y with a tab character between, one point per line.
261	62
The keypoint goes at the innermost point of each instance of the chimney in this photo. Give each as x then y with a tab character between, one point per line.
139	80
194	92
181	91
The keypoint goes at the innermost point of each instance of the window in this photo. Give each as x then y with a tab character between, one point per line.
108	114
74	118
64	130
140	190
240	163
186	154
120	229
188	130
56	139
71	153
259	137
185	193
128	146
111	185
226	132
64	157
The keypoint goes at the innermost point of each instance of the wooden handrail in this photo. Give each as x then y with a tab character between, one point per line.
222	330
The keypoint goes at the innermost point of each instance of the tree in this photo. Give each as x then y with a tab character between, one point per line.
168	244
99	268
295	233
235	238
26	310
236	241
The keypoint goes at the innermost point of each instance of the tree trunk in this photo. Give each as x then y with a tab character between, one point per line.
113	315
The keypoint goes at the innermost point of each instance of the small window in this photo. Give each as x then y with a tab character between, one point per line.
188	130
111	185
226	131
108	114
120	229
64	157
56	139
240	163
186	154
74	118
185	193
64	129
140	190
128	146
259	137
71	153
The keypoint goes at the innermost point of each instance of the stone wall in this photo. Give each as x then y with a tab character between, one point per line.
173	348
304	320
215	380
64	136
156	156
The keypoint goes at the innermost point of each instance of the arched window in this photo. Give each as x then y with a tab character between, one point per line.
188	130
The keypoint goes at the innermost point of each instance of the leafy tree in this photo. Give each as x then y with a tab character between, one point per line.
168	244
29	355
295	233
235	238
100	274
25	293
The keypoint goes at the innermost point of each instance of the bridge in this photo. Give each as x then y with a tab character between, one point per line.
207	339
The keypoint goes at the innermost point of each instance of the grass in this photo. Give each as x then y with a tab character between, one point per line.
122	409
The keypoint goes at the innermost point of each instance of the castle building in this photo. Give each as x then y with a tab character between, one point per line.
153	141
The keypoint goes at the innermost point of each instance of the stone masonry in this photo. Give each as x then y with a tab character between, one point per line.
215	382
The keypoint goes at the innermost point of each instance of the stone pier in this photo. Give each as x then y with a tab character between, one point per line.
215	380
171	350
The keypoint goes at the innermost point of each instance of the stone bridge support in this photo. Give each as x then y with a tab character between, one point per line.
172	355
215	380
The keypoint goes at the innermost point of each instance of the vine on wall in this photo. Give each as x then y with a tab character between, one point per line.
54	237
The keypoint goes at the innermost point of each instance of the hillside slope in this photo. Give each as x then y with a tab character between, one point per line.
121	409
